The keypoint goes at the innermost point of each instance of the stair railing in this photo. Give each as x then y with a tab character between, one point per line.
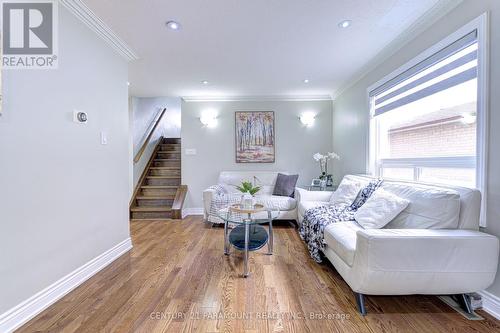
150	135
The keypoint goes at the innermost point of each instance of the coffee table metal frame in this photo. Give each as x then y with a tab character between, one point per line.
247	222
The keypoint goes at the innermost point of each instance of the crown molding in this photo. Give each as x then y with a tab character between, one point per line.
87	16
284	98
439	10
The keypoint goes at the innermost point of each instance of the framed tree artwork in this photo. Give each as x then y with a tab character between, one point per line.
255	136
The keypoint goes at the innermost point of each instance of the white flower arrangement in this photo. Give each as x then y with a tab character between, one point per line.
329	156
323	161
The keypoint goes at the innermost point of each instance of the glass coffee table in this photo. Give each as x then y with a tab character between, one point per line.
248	235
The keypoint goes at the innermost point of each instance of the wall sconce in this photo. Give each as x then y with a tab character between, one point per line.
209	118
307	118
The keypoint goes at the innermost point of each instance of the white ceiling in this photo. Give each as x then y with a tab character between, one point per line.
253	47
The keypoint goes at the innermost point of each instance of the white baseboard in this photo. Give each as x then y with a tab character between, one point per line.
23	312
192	211
491	303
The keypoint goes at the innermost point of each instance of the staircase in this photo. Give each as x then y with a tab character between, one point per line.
159	194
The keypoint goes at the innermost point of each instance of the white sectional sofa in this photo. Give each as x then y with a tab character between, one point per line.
432	247
266	180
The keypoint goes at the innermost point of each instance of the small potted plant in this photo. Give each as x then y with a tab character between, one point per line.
248	190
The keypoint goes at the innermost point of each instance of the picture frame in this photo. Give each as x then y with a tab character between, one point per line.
316	182
255	137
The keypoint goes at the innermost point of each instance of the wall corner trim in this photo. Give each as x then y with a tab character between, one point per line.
87	16
23	312
491	303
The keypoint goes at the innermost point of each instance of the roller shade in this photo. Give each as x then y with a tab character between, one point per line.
451	66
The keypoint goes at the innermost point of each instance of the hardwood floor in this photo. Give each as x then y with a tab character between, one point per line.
176	279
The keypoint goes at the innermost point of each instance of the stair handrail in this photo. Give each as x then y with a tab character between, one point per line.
148	138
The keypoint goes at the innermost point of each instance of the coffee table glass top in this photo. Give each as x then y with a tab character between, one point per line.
232	216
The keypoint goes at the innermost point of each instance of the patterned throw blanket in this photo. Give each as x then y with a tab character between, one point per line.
222	198
316	219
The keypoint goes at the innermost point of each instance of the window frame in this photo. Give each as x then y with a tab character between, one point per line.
481	24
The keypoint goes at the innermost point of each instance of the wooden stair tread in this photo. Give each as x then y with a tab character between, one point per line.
155	197
164	177
151	209
165	168
167	159
159	186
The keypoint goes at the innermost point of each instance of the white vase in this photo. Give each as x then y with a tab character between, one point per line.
247	201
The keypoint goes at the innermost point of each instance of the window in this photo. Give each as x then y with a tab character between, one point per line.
428	119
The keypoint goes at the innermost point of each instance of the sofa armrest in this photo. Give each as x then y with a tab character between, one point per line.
208	196
427	250
306	195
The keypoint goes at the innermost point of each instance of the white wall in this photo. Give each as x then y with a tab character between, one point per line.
64	196
350	120
295	144
144	112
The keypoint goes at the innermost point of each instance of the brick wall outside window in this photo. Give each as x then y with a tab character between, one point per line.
449	139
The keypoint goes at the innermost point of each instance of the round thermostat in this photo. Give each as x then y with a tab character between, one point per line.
82	117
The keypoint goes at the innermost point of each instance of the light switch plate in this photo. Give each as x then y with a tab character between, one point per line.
191	151
104	138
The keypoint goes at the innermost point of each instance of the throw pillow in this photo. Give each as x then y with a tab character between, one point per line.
380	209
285	185
365	194
346	193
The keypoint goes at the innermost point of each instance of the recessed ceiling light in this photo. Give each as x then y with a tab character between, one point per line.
306	81
205	82
128	83
345	24
173	25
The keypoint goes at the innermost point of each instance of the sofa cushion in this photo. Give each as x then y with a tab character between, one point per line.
341	238
305	205
430	207
276	202
285	185
346	193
